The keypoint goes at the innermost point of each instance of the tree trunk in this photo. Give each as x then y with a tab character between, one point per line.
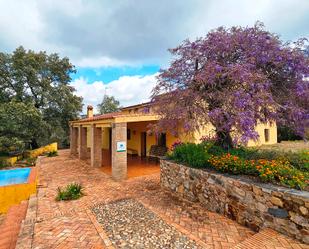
224	139
34	144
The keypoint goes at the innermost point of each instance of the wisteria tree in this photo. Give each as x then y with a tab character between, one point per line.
235	78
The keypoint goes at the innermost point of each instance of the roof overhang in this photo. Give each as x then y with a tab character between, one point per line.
119	119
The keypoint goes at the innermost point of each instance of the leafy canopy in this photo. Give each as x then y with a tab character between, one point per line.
109	104
19	123
235	78
40	82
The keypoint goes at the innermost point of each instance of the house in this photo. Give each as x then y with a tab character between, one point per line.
112	139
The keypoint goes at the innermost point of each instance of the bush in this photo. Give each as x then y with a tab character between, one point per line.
300	160
175	144
191	154
287	134
213	149
4	163
72	191
8	144
52	153
30	161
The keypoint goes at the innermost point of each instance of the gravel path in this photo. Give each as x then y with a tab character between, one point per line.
130	225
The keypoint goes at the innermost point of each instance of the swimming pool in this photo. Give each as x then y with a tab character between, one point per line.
16	185
14	176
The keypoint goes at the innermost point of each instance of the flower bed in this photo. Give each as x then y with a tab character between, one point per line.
275	171
286	169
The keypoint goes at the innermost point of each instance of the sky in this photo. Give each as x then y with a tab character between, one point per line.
118	46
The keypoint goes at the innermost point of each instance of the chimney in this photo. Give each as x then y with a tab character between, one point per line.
89	111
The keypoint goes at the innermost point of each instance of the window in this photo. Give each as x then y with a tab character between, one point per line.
266	135
162	140
128	134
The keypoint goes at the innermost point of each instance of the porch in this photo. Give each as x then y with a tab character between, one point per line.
120	149
136	165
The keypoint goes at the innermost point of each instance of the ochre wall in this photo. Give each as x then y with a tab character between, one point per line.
105	138
41	150
208	130
184	137
88	138
135	141
138	127
272	135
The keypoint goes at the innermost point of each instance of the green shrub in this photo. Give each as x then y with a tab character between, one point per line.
30	161
4	163
9	144
287	134
300	161
191	154
213	149
52	153
73	191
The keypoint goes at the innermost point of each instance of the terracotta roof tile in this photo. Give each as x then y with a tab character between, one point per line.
100	117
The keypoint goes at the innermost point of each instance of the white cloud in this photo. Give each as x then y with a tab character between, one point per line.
129	90
102	61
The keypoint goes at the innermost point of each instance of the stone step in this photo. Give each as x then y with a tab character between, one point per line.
268	238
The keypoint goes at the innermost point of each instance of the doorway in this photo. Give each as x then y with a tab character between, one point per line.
143	144
162	140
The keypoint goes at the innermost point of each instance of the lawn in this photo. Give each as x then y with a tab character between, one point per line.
293	146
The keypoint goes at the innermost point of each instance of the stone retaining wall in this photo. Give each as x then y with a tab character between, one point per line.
251	204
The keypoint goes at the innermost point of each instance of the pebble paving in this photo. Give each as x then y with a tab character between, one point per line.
129	224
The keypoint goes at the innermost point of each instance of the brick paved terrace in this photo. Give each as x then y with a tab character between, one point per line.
135	213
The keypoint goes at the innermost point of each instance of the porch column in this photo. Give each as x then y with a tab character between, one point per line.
82	138
96	146
119	158
73	140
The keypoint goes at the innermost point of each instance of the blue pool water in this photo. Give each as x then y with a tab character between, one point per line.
14	176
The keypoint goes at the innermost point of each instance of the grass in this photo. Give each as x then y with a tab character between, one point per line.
72	191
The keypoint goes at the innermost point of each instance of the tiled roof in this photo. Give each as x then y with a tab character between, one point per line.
135	106
100	117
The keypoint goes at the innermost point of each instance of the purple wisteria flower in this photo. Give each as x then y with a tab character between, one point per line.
235	78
